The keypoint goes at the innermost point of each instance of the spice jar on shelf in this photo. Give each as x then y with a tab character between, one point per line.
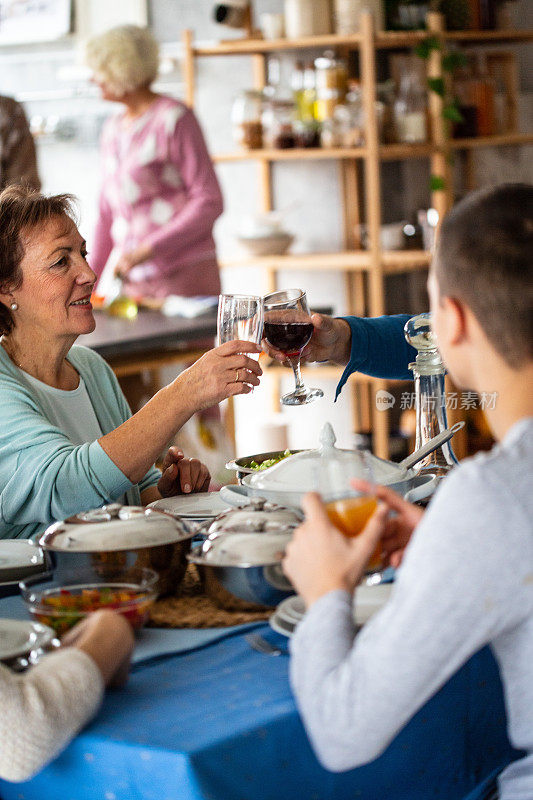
307	18
246	120
278	123
410	108
330	85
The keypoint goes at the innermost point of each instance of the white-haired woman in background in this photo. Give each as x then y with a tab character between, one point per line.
160	196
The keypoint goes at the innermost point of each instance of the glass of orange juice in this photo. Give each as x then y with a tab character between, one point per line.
347	508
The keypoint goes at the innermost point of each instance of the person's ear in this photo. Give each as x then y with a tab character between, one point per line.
455	321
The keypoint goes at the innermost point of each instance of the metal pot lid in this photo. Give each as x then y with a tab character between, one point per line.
241	549
301	472
114	528
257	516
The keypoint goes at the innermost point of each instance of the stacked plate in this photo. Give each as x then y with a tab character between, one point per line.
196	507
368	600
18	559
23	643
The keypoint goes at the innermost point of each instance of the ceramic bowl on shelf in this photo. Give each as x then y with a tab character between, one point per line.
271	245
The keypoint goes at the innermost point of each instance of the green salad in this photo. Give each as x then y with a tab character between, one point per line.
269	462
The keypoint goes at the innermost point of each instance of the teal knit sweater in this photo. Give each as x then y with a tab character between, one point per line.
43	476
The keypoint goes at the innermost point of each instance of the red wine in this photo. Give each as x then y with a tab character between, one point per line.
289	337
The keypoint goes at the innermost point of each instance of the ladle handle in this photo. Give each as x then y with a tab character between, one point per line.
433	443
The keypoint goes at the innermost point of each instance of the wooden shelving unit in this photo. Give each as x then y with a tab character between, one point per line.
364	270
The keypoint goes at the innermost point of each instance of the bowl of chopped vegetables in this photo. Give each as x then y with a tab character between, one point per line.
248	465
61	605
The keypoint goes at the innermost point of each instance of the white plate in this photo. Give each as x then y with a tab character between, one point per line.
281	626
18	558
291	610
368	601
18	637
194	506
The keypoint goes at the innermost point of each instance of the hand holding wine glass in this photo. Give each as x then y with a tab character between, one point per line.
288	328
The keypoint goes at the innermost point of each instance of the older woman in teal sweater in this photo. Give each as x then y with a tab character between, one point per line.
68	441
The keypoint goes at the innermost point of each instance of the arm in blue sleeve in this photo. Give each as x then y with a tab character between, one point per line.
379	348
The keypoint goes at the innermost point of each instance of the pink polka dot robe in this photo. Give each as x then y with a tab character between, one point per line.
159	188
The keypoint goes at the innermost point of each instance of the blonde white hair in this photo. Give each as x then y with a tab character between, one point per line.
124	58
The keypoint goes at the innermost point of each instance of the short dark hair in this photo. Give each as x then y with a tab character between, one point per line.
22	209
484	257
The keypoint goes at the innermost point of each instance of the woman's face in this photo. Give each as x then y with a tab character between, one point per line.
54	298
105	90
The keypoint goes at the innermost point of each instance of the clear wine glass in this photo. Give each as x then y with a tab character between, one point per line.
288	328
240	316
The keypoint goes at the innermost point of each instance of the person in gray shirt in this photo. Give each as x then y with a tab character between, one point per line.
466	575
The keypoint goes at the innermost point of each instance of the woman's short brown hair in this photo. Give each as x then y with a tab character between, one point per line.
22	209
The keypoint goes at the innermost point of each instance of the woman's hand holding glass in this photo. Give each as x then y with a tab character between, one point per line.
220	373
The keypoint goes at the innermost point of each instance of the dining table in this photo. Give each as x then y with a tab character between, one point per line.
204	716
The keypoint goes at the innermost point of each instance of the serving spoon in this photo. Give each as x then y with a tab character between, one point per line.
431	445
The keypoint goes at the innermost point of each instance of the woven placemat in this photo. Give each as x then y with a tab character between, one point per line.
192	608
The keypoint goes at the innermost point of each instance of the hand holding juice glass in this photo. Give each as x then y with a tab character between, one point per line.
347	508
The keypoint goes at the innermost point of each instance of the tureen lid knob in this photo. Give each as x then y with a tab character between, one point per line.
327	438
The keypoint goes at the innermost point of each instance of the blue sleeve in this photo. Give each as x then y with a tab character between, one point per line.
379	348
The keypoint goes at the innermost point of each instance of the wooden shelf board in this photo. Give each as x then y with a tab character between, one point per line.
291	154
489	37
253	46
405	260
492	141
393	152
384	40
347	261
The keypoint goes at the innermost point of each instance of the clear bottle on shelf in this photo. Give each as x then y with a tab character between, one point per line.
246	120
410	108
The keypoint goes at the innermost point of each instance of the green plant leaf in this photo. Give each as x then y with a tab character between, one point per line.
454	60
452	113
437	85
436	183
424	48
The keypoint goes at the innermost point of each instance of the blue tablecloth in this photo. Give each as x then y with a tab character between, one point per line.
220	723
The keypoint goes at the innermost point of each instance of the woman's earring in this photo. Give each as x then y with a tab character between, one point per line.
14	306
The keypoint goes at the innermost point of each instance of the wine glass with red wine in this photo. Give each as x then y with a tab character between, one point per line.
288	327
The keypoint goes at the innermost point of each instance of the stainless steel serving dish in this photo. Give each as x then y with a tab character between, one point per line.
242	465
114	538
287	481
240	560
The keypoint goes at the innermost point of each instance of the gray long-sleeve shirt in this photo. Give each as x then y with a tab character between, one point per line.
466	581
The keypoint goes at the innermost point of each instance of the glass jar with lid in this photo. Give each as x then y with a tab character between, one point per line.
246	115
307	18
278	123
410	108
330	85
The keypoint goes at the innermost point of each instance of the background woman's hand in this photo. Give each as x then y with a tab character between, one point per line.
130	259
396	530
220	373
331	341
182	475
